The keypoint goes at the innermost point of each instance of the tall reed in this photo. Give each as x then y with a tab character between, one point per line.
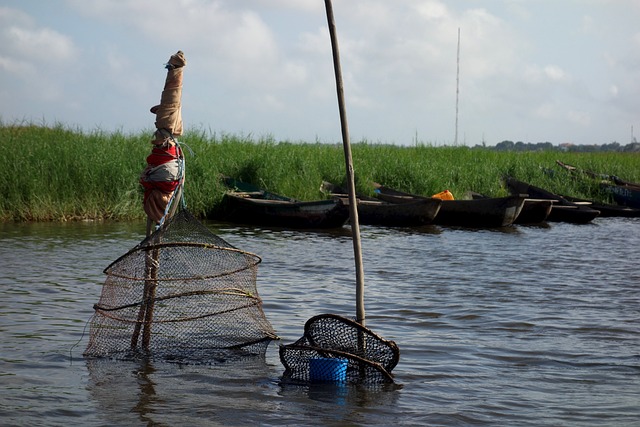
59	173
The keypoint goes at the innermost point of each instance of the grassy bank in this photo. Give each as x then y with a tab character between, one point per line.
58	173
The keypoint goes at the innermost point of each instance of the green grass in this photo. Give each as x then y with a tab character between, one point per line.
57	173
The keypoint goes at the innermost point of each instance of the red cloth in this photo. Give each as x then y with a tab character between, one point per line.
164	186
158	193
160	155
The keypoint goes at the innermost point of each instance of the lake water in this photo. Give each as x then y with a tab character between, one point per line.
521	326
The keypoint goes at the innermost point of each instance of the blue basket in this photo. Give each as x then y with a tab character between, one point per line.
323	369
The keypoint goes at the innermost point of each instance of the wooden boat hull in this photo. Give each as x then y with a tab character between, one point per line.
562	210
534	211
287	214
490	212
625	195
379	213
247	204
608	210
572	214
376	212
485	212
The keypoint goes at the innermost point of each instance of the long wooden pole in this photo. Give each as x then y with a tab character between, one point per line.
455	140
353	207
151	284
145	313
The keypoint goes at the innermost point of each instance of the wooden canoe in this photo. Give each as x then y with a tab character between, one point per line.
248	204
485	212
607	209
562	209
376	212
534	211
624	193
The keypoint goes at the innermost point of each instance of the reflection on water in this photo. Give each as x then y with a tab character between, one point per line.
142	393
515	326
128	392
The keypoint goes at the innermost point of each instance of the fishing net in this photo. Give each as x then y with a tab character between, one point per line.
334	348
183	294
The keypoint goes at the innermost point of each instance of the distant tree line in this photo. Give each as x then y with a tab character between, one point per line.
633	147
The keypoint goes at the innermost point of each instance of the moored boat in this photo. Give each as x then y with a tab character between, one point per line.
623	193
484	212
534	211
247	204
607	209
562	209
372	211
626	195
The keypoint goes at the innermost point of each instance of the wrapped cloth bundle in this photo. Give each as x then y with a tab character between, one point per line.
168	112
164	171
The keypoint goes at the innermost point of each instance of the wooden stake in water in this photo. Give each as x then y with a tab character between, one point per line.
145	313
151	260
353	207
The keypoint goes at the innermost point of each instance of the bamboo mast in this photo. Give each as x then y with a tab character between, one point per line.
353	207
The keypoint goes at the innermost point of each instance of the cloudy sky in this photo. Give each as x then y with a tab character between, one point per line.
533	71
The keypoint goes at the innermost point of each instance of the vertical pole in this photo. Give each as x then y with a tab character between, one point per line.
455	140
151	259
151	284
169	124
353	207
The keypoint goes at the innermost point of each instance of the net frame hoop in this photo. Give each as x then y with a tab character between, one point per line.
257	259
227	291
255	302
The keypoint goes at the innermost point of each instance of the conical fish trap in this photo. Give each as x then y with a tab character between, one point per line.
182	294
369	358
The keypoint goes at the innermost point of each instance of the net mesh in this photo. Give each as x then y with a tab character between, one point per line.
370	359
182	294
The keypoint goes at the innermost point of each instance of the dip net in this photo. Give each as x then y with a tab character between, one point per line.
183	294
366	357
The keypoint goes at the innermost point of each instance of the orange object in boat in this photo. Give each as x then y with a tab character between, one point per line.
444	195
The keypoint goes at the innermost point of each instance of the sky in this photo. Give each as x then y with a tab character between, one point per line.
559	71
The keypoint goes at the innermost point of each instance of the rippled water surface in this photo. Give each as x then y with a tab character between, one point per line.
518	326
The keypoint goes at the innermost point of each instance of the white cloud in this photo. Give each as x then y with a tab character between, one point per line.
613	90
303	5
34	58
17	67
22	40
432	10
555	73
537	75
581	118
40	43
230	38
546	110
